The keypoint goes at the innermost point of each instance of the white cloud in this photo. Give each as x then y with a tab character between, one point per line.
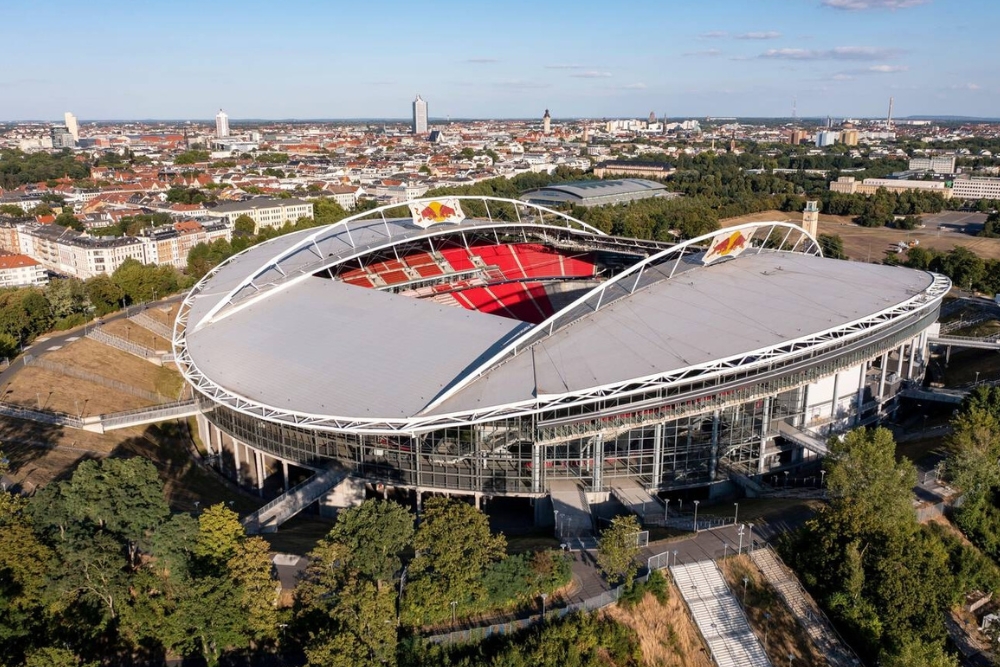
714	34
967	86
842	77
635	86
563	66
709	53
860	5
481	61
592	74
887	69
836	53
769	34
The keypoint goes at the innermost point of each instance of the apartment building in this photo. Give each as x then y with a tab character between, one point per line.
634	168
939	164
21	271
70	253
264	211
849	185
969	187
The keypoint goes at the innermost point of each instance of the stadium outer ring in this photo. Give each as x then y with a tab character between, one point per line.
749	360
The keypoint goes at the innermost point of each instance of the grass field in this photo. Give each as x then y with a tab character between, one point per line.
38	388
89	355
131	331
870	243
784	634
165	315
667	634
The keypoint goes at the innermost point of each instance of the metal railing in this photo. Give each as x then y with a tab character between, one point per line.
143	319
120	343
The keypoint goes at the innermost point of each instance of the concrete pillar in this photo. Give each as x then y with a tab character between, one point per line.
913	354
713	462
657	455
284	474
861	392
420	501
947	355
881	377
537	462
205	433
836	389
899	360
236	459
764	427
598	462
259	466
476	498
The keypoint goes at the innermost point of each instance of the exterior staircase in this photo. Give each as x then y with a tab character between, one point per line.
294	500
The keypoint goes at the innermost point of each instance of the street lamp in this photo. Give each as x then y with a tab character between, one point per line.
791	656
740	533
666	509
977	379
696	515
453	605
786	479
544	596
746	580
822	477
736	513
725	550
675	556
767	626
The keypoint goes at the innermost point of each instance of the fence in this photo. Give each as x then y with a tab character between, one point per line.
80	374
479	634
122	344
143	319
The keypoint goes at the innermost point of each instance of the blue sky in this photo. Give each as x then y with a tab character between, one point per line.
112	59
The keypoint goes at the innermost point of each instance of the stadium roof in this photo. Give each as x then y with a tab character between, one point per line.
586	189
331	351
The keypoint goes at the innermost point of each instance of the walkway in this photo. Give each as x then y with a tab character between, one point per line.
572	511
718	616
805	609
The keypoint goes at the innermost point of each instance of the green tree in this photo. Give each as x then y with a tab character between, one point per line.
250	568
104	294
67	219
66	296
55	657
245	225
376	534
832	246
454	547
219	535
617	550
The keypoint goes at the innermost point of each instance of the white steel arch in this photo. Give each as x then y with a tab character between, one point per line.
548	326
312	241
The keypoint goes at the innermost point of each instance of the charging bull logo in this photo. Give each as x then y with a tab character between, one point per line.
436	212
727	245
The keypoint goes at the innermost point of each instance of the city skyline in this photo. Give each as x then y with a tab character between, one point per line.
831	57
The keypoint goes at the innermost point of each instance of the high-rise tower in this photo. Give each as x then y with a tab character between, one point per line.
221	124
419	116
546	123
810	218
72	125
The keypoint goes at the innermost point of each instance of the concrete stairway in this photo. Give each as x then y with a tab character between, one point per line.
639	501
805	609
294	500
572	511
144	320
718	615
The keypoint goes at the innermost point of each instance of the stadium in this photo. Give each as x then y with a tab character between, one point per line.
494	348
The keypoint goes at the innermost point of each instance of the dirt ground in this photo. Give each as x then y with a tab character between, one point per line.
667	635
38	388
784	634
89	355
41	453
870	243
131	331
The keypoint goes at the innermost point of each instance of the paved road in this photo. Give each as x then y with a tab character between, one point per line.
54	341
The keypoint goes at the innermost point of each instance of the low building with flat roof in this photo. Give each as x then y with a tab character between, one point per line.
634	168
596	193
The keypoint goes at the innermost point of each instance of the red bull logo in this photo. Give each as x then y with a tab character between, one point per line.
437	212
434	212
727	244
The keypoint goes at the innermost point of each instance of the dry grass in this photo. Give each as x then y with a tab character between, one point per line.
864	243
667	635
784	634
94	357
164	314
131	331
38	388
969	365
